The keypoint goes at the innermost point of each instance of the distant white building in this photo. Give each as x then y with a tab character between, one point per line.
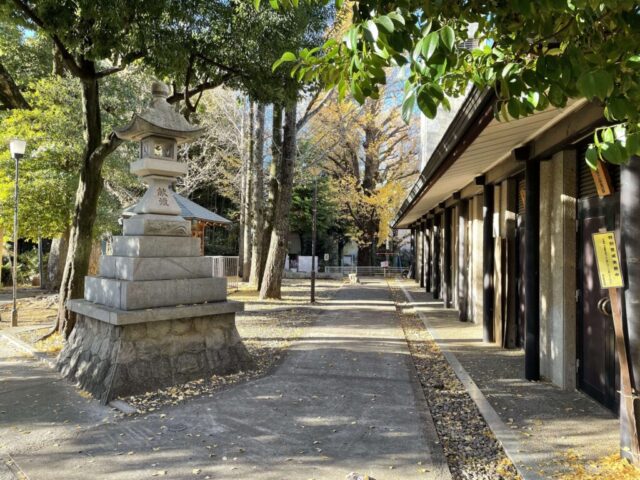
432	130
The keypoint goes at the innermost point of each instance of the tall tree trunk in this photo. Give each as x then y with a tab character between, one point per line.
272	280
274	168
367	251
86	203
364	255
57	259
258	201
243	182
248	217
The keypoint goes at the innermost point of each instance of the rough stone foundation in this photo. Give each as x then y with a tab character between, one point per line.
111	361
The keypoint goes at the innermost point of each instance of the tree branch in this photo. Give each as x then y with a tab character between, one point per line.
310	112
107	146
124	62
68	58
219	65
10	95
207	85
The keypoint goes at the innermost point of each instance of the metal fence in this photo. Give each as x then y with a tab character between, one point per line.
227	267
371	271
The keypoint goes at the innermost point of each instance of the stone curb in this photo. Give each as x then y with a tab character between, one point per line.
12	468
505	436
25	347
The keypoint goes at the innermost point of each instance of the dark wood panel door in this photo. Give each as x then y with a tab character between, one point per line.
597	368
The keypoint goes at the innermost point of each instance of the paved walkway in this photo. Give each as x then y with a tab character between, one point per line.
344	399
537	422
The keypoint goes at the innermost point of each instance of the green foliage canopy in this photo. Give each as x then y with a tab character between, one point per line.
533	54
49	172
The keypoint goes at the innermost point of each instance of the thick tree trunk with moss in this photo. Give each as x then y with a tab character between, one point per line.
272	279
57	260
86	203
257	204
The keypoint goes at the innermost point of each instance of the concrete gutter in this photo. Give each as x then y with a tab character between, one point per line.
504	434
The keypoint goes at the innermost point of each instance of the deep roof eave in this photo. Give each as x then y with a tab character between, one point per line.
473	107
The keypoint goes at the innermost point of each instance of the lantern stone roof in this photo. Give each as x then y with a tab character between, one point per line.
160	119
189	210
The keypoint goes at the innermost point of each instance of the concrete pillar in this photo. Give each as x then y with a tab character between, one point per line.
437	256
475	274
454	257
447	259
498	263
558	269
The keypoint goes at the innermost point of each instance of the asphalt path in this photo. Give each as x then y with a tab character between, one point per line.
344	399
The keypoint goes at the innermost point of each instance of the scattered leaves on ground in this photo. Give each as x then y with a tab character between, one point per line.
50	346
611	467
267	331
40	309
470	447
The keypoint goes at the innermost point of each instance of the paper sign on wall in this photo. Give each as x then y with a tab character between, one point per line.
608	260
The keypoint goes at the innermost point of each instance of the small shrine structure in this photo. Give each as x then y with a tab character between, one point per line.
199	216
154	316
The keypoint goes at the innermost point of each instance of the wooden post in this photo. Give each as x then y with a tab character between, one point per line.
420	269
412	273
429	255
532	271
463	264
628	395
487	264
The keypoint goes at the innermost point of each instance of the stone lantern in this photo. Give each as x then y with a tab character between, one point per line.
154	316
159	129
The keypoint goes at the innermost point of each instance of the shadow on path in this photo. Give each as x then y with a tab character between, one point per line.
344	399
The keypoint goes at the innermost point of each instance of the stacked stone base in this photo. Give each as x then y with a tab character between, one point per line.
111	361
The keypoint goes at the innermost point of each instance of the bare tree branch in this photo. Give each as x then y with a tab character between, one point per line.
311	111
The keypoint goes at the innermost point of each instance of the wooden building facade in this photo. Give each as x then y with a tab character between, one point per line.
502	218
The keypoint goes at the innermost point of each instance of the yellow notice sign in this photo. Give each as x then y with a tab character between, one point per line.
608	260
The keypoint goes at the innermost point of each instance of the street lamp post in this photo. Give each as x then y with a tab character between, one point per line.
313	239
17	148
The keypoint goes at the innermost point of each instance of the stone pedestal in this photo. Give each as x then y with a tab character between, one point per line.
112	353
154	317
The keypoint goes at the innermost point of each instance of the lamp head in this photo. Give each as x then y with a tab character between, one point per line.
17	147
